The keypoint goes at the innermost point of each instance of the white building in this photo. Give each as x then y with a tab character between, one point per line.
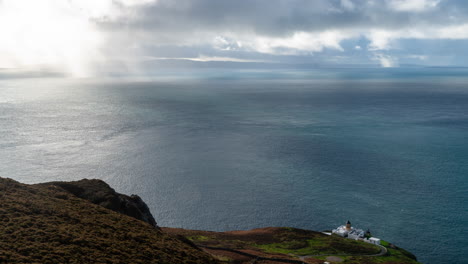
343	230
373	240
349	231
355	233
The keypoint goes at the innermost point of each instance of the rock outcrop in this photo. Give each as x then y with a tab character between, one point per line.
100	193
49	224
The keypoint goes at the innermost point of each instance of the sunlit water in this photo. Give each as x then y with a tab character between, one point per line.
389	154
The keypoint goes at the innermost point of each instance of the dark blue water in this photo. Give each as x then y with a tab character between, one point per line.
389	153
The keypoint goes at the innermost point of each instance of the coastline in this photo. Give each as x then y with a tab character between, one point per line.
75	222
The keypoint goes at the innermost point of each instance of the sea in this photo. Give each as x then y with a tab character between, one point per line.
215	149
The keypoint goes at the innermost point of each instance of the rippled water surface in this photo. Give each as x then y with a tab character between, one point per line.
389	154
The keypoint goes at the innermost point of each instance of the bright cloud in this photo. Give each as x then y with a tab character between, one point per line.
53	33
297	43
386	61
36	34
204	58
412	5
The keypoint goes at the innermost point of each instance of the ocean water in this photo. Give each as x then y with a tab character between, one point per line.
386	149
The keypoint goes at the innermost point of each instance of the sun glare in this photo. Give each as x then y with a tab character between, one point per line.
57	34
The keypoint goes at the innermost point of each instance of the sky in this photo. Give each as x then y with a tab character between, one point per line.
101	37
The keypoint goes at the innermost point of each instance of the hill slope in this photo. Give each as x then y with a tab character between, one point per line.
46	224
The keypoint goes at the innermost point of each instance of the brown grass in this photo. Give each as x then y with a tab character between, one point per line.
44	224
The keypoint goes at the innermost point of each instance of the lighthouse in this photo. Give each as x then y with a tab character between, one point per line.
348	225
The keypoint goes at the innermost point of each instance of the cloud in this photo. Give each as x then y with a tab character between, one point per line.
347	4
299	42
291	27
33	33
204	58
55	33
386	61
412	5
224	43
384	39
418	57
80	35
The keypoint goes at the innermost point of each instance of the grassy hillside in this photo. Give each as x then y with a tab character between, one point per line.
45	224
291	244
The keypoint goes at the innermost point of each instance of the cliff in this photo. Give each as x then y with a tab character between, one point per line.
88	222
49	224
100	193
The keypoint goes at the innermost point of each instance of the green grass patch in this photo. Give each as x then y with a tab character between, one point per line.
199	238
394	256
319	246
384	243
